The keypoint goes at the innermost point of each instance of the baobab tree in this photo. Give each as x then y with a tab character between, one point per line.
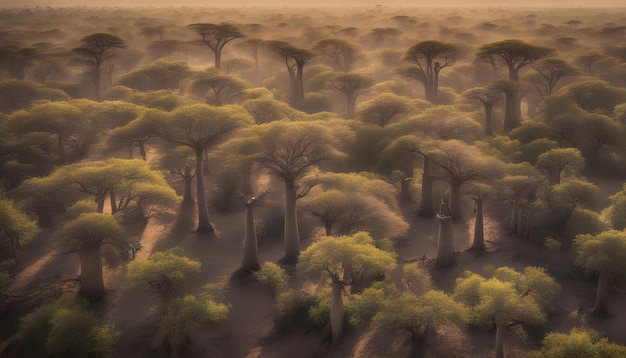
254	45
250	245
445	237
218	88
86	235
507	299
95	52
427	59
345	260
549	72
17	59
138	131
383	109
201	127
605	254
488	96
400	155
16	228
216	36
554	161
461	163
479	193
339	54
287	151
351	85
295	58
515	55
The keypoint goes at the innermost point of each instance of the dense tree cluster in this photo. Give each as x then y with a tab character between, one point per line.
311	131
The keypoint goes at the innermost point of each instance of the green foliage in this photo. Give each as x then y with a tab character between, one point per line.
578	343
508	296
190	313
418	315
602	253
91	229
81	207
67	328
320	309
416	279
364	305
16	229
615	214
291	310
76	333
346	258
272	276
164	271
555	161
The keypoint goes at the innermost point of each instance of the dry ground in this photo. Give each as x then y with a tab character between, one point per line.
136	313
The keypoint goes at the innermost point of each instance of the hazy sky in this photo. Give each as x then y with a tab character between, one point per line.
312	3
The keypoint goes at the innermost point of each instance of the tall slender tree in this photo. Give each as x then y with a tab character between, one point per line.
288	150
95	52
216	36
202	127
514	55
427	59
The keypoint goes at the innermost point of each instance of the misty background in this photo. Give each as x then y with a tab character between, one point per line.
318	3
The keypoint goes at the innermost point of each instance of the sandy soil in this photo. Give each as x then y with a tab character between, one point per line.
136	313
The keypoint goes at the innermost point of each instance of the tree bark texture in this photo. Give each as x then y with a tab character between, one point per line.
336	312
250	244
292	236
445	242
455	200
500	331
91	281
204	224
479	231
426	208
602	295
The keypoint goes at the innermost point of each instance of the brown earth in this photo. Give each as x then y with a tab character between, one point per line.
244	334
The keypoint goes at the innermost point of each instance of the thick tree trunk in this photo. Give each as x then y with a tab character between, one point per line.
204	224
428	92
113	201
292	236
218	58
328	226
427	205
16	252
351	103
511	111
520	222
100	202
97	73
91	281
489	120
479	232
300	80
602	295
405	192
250	245
455	200
500	331
514	218
445	242
336	312
142	150
187	195
555	176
